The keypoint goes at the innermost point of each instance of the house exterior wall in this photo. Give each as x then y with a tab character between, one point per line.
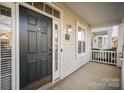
109	35
71	61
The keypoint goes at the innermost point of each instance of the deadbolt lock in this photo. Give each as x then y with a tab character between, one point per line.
38	28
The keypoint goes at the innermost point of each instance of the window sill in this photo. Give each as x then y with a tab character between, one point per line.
81	55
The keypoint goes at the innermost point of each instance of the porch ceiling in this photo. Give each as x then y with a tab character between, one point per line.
98	14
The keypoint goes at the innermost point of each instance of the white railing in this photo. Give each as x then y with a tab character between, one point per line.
109	57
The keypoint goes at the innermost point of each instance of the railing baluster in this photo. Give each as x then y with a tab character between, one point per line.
109	57
100	56
115	58
112	57
93	55
104	56
97	55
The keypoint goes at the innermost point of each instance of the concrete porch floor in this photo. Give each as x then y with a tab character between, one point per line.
92	76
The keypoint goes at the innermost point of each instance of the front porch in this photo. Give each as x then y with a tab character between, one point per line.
51	43
92	76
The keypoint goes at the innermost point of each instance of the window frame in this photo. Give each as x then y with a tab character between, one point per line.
78	24
13	43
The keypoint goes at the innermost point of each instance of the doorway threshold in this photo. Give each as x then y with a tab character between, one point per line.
37	84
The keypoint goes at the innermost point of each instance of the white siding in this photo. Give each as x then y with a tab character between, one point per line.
70	61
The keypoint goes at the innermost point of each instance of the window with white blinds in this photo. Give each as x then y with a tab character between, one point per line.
5	48
81	40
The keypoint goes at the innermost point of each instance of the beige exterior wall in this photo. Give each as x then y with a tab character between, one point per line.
70	61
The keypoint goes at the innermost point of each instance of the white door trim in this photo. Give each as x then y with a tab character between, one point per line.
17	69
15	39
17	49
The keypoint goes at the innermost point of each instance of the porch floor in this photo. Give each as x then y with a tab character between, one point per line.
92	76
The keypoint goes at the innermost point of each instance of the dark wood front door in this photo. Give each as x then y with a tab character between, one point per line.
35	46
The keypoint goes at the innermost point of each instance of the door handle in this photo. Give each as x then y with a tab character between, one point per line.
50	48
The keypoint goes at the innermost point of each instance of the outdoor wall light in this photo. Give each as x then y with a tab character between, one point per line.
67	32
69	29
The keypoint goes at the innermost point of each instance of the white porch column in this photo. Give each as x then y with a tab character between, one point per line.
120	42
109	33
122	73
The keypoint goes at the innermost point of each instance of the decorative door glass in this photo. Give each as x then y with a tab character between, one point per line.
56	46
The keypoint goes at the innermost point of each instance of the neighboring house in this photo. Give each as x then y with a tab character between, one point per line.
105	37
102	38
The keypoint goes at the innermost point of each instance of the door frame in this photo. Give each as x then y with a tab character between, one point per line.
59	50
17	68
